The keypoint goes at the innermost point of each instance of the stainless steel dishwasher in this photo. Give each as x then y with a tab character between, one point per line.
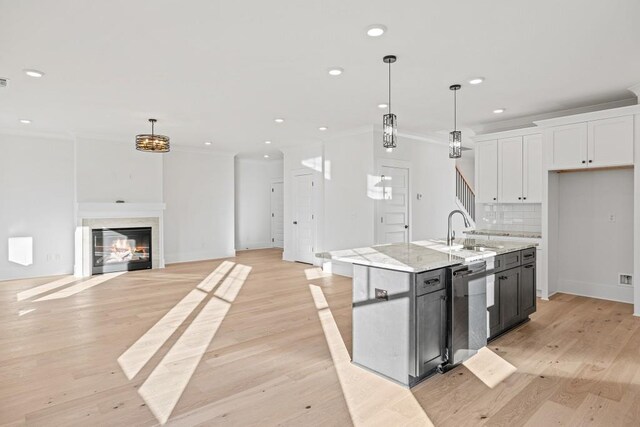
467	311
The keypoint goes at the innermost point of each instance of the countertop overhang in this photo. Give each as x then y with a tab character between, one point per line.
424	255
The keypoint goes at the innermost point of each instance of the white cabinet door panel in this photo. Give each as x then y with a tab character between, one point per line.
510	170
611	142
487	172
532	169
568	146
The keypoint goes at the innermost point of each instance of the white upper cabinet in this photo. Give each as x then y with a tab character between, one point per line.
568	146
596	143
520	169
510	170
532	168
610	142
487	171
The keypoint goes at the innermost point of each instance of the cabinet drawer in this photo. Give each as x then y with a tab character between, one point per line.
528	255
429	281
507	261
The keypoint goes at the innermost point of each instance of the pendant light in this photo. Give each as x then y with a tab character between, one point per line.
389	122
455	136
152	143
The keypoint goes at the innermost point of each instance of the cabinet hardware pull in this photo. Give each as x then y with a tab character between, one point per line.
590	161
431	281
494	198
502	278
519	198
525	198
528	255
584	161
528	266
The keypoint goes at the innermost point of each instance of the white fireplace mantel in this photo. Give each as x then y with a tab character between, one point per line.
116	215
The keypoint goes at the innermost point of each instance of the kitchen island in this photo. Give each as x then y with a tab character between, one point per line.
424	306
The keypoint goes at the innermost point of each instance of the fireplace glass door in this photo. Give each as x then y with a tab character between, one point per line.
121	249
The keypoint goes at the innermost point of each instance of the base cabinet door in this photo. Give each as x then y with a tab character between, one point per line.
431	328
494	311
509	297
528	290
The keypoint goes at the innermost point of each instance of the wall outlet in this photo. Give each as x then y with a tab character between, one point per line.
626	279
612	217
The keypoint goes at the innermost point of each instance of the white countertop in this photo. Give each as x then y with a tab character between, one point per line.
424	255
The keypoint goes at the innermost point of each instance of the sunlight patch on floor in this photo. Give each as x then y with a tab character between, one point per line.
27	311
72	290
136	356
230	287
29	293
216	276
161	391
316	273
490	368
371	400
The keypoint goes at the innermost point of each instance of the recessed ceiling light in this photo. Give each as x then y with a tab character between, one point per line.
476	80
278	120
323	128
34	73
389	150
376	30
382	106
499	110
335	71
267	142
25	121
207	143
266	156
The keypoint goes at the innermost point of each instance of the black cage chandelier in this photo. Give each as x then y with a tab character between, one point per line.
152	143
389	121
455	136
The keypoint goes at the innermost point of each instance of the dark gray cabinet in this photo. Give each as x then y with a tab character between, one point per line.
509	284
514	291
431	330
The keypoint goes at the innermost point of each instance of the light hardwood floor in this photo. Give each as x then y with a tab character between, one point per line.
269	362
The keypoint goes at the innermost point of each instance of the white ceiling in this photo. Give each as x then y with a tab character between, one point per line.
221	71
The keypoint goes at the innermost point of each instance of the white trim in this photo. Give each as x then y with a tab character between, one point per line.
585	117
533	130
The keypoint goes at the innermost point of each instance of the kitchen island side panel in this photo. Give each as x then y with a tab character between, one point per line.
382	328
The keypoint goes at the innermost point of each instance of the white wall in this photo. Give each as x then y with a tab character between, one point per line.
108	171
348	211
199	194
593	250
467	166
253	180
37	199
433	176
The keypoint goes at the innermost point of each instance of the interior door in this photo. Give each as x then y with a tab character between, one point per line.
277	209
393	209
510	170
303	217
487	172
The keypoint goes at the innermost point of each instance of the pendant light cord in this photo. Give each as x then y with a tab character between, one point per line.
455	111
389	87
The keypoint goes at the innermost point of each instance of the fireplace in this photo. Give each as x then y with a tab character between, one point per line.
121	249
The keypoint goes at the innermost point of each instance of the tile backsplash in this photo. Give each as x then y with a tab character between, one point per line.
509	217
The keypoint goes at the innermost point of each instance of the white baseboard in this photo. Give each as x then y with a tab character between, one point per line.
249	246
197	256
596	290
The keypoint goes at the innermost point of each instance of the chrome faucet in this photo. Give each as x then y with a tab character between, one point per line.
451	234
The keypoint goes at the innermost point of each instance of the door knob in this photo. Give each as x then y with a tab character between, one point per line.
295	222
406	226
